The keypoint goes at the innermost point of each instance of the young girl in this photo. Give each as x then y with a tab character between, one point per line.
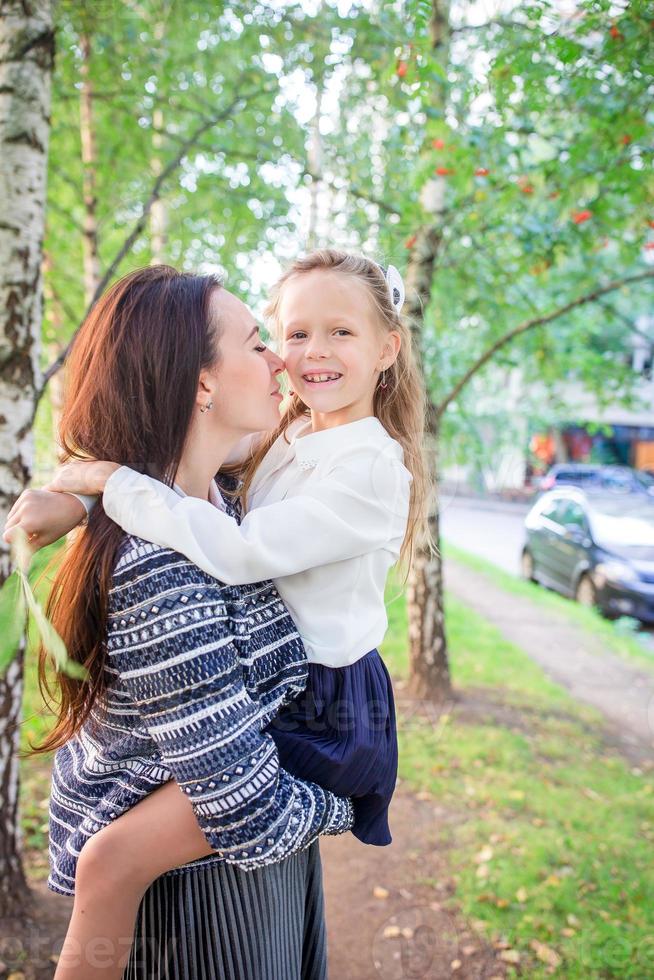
334	498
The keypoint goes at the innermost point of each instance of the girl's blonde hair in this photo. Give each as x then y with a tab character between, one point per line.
400	407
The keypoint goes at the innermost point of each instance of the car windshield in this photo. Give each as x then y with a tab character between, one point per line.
622	521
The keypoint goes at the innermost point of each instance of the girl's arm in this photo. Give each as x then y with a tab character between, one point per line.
360	505
44	515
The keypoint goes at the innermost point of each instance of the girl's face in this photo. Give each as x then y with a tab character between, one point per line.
243	385
333	346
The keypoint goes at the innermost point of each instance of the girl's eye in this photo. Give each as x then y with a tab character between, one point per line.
261	349
298	335
344	330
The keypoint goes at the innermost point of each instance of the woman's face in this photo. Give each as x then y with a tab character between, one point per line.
244	386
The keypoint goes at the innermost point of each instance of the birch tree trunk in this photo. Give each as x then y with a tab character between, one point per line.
26	61
429	674
89	175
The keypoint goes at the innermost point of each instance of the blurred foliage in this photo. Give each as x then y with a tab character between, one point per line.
536	125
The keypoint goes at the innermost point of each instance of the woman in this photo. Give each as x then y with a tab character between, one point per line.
168	374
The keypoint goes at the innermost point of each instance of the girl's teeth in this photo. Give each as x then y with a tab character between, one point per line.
323	377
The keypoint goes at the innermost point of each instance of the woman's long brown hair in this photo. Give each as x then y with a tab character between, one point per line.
131	393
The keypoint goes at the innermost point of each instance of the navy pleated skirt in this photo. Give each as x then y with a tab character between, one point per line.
341	733
214	921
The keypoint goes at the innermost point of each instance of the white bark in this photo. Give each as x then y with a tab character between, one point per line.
26	58
89	166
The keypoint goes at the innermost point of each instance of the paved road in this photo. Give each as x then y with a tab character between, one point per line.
490	529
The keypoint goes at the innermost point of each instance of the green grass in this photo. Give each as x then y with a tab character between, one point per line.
551	835
614	635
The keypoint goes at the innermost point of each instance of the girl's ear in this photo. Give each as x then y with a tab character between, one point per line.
390	350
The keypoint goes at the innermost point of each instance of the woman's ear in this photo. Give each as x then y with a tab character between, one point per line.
207	388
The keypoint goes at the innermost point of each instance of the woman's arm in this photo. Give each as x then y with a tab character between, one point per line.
359	506
186	680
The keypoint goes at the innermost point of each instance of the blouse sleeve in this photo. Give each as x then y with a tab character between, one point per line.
360	505
186	680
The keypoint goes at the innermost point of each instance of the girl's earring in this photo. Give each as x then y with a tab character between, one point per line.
383	384
207	407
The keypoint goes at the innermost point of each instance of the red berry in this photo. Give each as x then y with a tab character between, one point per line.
651	223
438	144
481	172
614	32
649	246
625	140
443	171
411	240
401	69
527	188
580	216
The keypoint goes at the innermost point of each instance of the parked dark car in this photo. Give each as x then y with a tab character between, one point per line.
618	478
596	547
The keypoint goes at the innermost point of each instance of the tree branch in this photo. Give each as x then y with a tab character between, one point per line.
139	226
536	321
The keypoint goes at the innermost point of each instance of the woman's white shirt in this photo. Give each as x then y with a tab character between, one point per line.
327	514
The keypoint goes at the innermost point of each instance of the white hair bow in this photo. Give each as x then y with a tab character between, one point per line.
395	286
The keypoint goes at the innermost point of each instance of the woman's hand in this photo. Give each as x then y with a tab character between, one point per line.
44	516
81	476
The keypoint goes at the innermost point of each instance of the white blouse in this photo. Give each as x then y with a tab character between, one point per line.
326	520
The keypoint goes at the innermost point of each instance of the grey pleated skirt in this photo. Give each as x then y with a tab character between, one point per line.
218	922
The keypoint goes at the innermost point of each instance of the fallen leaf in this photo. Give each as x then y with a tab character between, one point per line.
484	855
545	953
510	956
521	894
380	892
455	965
391	932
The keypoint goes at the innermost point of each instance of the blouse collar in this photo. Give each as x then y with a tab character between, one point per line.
311	447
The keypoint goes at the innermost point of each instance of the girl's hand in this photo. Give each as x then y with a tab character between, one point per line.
43	516
81	476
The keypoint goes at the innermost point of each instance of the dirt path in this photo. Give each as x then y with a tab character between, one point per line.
384	905
569	655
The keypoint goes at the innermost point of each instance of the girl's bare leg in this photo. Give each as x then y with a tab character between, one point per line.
114	870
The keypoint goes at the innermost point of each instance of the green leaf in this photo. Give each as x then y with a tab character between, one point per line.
12	619
52	642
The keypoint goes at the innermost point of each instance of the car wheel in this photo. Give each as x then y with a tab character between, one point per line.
527	566
585	593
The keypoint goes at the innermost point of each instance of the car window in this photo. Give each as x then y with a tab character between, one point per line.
572	513
576	476
551	509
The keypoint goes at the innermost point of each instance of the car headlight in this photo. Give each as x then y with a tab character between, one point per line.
618	572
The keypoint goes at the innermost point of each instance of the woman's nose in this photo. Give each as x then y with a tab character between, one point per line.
276	363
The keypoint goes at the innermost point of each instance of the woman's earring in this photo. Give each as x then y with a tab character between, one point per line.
383	384
207	407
